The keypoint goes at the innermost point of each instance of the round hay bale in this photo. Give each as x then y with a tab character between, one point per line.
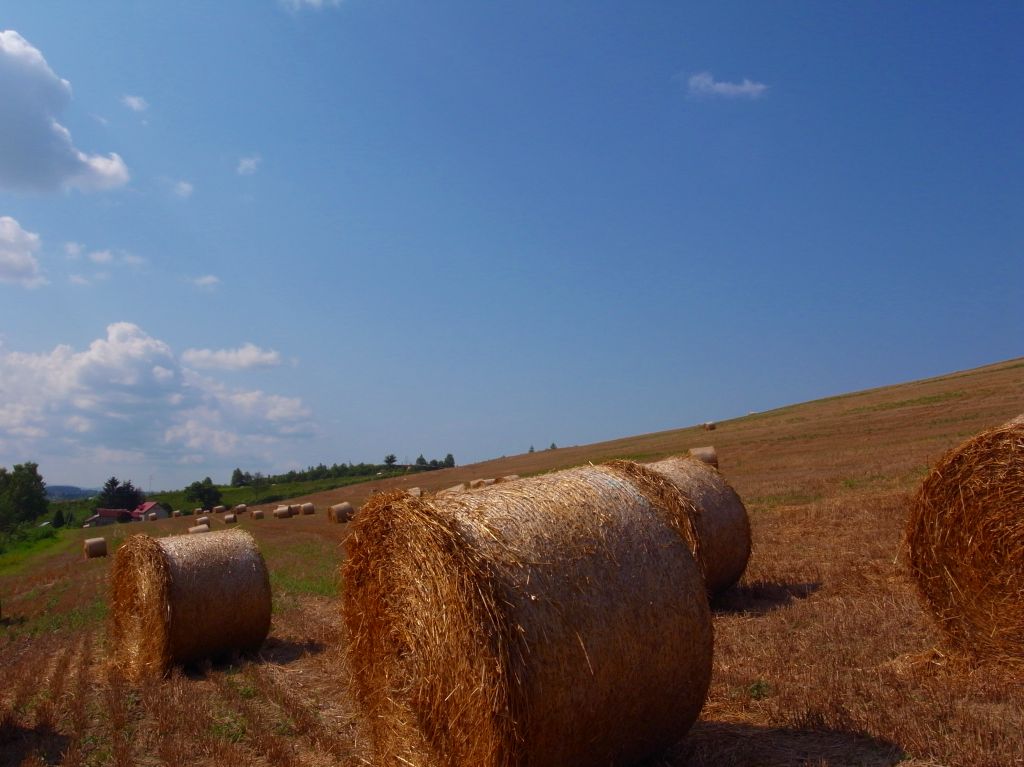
454	489
415	492
186	597
507	478
240	508
341	512
204	520
476	484
307	508
576	627
176	513
203	528
198	511
707	454
94	547
965	540
230	519
282	512
711	516
219	509
257	514
709	426
151	516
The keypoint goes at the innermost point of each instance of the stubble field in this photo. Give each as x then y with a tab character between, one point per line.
823	655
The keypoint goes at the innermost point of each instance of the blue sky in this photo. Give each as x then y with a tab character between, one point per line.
267	234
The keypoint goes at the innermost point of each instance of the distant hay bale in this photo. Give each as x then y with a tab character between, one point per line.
576	627
507	478
709	426
203	528
198	511
219	509
710	514
965	543
204	520
240	508
415	492
183	598
307	508
257	514
707	454
282	512
487	482
230	519
453	489
151	516
94	547
476	484
176	513
341	512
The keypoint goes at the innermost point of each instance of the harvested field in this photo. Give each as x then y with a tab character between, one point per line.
823	653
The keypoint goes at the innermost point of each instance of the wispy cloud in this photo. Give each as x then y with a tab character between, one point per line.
101	256
298	5
206	282
37	153
73	250
249	165
245	357
704	84
18	262
182	189
135	103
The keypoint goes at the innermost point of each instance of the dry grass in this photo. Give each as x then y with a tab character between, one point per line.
823	653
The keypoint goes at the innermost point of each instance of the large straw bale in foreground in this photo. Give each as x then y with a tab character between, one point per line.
94	547
720	537
558	620
965	540
186	597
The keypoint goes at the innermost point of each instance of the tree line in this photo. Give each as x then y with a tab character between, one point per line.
257	480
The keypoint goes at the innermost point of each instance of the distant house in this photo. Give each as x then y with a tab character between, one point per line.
140	514
108	517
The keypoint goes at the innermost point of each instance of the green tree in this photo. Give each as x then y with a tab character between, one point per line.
237	478
120	495
531	449
421	461
58	518
22	495
205	493
449	461
390	459
553	446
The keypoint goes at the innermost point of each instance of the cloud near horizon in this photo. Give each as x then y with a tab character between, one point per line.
129	393
245	357
18	262
36	151
704	84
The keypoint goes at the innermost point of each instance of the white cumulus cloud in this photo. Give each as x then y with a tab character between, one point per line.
206	282
135	103
36	151
249	165
704	84
243	358
18	262
128	394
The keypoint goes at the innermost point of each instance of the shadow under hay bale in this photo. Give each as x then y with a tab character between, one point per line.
965	543
575	624
761	597
711	515
182	598
94	547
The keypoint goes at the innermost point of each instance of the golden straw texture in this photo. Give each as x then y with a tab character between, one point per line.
94	547
554	621
965	539
186	597
722	526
